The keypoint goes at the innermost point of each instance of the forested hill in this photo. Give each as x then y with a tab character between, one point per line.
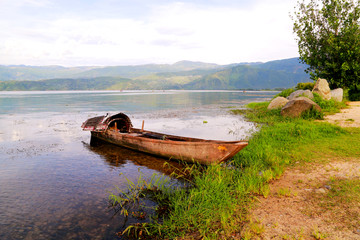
181	75
270	75
22	72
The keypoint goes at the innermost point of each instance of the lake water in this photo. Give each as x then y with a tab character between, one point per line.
53	185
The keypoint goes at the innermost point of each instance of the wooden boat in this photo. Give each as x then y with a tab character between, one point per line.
118	129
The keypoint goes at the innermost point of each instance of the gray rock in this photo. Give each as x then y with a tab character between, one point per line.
296	107
301	93
277	102
337	94
322	88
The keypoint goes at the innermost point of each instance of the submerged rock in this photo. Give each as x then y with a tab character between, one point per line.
277	102
322	88
296	107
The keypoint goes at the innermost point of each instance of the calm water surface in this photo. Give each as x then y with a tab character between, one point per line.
53	185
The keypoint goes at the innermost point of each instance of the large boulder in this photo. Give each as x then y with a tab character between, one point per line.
302	93
337	94
277	102
322	88
297	106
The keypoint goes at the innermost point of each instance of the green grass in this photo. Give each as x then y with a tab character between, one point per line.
220	197
284	192
340	205
345	191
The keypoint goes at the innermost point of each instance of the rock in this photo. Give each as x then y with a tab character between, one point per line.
337	94
302	93
322	88
278	102
320	190
296	107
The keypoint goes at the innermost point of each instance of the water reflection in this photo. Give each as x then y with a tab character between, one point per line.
52	186
117	157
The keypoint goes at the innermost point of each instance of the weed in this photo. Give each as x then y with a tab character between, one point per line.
284	192
318	235
340	204
253	230
345	191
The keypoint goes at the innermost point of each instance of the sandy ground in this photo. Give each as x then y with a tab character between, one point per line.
297	214
349	117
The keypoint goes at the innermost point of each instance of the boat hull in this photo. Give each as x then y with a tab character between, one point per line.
186	149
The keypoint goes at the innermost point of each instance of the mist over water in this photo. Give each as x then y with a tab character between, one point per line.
54	185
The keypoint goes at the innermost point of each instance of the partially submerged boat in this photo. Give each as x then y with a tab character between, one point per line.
118	129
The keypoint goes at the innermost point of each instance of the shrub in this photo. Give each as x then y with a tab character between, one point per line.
354	94
285	93
328	106
305	86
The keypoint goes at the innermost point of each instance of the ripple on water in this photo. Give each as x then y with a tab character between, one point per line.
53	185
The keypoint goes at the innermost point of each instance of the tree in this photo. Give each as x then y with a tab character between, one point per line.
328	37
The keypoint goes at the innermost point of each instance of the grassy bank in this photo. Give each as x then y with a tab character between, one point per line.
217	204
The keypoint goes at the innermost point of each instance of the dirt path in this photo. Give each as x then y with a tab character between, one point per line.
292	210
349	117
295	207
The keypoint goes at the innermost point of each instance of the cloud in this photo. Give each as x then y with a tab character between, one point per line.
168	33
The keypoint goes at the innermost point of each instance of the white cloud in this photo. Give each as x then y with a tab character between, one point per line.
172	32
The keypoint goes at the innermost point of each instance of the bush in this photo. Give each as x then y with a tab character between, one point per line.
354	94
285	93
328	106
305	86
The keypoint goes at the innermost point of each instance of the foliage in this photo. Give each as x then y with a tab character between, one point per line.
285	93
328	106
354	94
329	40
305	86
312	114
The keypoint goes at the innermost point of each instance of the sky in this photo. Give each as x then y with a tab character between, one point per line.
133	32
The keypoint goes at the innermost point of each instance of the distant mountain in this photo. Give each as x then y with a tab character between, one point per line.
181	75
100	83
22	72
291	65
276	74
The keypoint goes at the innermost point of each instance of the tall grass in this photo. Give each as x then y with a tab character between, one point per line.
216	205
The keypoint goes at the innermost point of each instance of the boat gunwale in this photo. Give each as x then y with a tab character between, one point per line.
170	141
